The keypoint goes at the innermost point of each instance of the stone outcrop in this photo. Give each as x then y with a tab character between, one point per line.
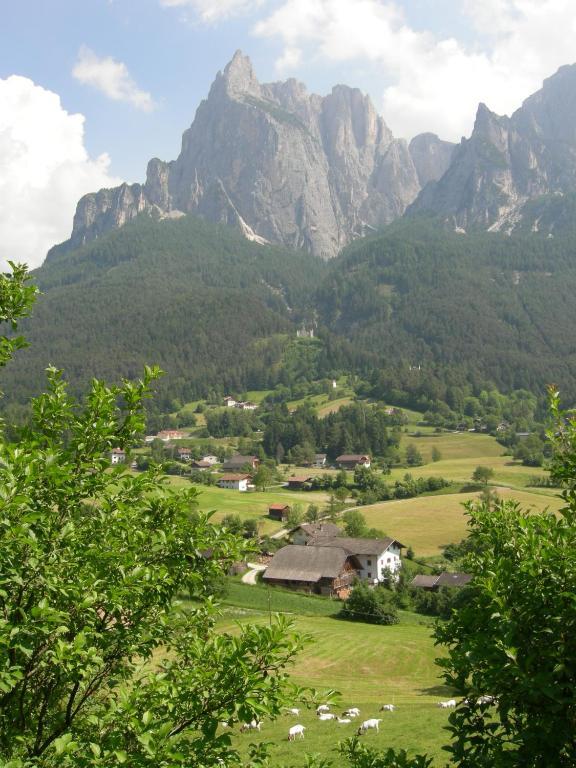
283	165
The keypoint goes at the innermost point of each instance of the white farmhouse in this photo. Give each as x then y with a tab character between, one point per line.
117	456
234	482
377	559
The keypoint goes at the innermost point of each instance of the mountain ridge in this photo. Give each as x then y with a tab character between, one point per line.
283	166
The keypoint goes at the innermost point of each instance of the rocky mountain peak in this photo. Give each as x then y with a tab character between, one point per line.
237	79
280	164
431	156
509	161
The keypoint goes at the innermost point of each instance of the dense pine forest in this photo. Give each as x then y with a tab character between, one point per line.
437	304
421	314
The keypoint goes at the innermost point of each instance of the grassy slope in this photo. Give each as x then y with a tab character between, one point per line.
368	665
251	505
427	523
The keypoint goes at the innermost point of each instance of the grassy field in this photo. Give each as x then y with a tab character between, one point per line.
368	665
251	505
427	523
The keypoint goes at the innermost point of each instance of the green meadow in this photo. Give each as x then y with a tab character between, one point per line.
427	523
252	504
368	665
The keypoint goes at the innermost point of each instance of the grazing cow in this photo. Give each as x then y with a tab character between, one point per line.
296	730
367	724
326	716
344	720
352	712
447	704
322	708
253	725
293	711
387	708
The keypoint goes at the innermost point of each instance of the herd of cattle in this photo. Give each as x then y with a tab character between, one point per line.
323	713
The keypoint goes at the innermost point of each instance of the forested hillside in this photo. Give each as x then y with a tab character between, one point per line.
196	298
419	312
437	303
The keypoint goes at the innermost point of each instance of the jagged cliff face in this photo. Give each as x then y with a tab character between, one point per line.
508	161
282	165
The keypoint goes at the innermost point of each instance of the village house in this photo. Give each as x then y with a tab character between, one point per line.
234	482
377	558
230	402
298	483
202	465
209	458
170	434
117	456
279	512
318	461
353	460
445	579
246	406
184	454
238	462
307	533
320	570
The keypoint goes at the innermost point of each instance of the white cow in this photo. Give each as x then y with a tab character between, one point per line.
344	720
373	722
322	708
447	704
293	711
387	708
253	725
352	712
296	730
326	716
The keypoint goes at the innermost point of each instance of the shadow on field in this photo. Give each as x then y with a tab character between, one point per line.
436	690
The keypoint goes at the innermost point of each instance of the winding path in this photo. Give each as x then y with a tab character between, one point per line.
250	576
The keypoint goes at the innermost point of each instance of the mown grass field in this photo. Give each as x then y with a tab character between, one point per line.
427	523
368	665
251	505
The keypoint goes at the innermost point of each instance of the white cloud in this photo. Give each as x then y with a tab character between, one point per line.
431	83
45	170
111	78
211	11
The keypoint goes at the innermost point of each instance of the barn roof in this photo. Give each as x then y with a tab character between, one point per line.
352	457
306	563
453	579
426	581
359	546
321	529
444	579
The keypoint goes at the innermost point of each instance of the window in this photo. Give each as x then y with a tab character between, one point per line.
369	575
369	562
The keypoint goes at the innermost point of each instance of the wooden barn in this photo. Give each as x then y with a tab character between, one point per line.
279	512
320	570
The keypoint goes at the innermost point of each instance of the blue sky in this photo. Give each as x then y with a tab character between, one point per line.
129	75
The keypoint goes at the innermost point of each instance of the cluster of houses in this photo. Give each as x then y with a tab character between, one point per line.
319	560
